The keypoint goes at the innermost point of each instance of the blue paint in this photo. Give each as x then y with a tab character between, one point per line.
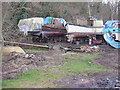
108	23
48	20
109	28
112	42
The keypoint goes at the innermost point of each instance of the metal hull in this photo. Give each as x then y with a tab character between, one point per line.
51	30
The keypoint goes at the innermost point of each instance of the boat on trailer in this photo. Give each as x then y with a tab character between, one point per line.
87	30
40	29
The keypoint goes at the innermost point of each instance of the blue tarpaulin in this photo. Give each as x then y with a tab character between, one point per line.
64	22
48	20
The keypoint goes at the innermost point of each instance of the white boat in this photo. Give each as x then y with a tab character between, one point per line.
76	32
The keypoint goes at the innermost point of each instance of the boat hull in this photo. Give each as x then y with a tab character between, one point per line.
110	41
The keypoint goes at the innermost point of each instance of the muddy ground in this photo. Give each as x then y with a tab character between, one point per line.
109	60
15	64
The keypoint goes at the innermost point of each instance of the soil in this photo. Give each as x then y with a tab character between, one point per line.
109	59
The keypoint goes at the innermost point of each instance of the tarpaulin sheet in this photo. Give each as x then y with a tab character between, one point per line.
30	23
47	20
56	21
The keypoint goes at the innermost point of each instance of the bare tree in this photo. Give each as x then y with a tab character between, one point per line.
113	6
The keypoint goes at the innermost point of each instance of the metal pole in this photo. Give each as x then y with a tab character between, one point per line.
89	11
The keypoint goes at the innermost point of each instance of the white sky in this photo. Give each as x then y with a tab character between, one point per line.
112	1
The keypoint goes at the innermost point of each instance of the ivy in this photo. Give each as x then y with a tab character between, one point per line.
20	12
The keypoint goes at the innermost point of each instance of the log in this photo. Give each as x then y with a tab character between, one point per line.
26	44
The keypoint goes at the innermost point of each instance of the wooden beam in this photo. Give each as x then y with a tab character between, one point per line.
26	44
70	49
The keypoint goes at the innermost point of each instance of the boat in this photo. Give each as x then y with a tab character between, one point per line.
31	25
112	33
44	29
53	27
89	29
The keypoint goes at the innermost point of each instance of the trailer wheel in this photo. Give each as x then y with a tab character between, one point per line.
33	39
45	40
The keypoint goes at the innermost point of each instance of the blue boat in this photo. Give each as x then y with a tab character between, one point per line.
112	33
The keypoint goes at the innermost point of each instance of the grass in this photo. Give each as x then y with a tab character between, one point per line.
33	51
86	63
31	77
0	85
75	65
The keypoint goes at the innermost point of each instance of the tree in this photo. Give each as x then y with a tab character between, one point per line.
113	6
13	12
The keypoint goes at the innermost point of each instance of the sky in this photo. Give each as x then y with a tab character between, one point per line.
112	1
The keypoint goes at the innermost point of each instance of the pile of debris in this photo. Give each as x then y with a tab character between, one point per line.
17	63
90	49
15	55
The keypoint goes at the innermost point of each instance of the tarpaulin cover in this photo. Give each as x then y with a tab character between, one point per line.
57	21
8	49
30	24
47	20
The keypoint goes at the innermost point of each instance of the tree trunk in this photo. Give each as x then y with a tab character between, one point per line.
1	43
